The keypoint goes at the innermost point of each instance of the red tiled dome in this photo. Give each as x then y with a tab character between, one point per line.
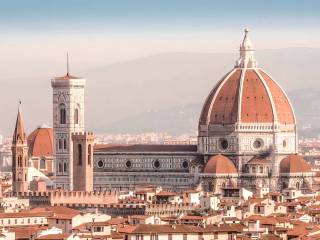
220	164
40	142
247	94
253	98
294	164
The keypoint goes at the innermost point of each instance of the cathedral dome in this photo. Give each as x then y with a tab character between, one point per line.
247	94
40	142
220	164
294	164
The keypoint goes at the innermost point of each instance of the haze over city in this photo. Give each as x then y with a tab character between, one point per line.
120	47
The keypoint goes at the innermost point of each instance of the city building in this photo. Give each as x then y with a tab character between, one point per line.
247	138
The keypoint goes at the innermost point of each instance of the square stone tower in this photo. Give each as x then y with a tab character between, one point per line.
68	117
83	161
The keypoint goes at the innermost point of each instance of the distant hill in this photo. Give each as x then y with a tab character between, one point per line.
184	119
163	91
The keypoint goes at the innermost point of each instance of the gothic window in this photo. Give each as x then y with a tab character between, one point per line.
19	161
65	167
60	144
284	143
89	154
79	154
76	116
60	167
42	163
63	114
64	144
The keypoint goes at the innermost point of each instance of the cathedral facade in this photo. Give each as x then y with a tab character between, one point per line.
247	137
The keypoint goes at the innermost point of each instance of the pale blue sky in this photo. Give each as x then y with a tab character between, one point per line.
165	15
99	32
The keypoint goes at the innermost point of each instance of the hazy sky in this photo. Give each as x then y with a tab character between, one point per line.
97	32
36	34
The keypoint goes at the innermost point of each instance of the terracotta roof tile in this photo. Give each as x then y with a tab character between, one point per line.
294	163
220	164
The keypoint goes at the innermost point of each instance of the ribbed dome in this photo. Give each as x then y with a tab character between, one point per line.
40	142
220	164
247	94
294	164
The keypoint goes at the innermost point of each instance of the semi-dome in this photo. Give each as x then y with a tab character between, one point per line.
220	164
247	94
294	163
40	142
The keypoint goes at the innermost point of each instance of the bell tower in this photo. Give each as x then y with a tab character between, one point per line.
68	117
20	161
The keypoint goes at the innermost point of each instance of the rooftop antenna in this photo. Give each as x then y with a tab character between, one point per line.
67	63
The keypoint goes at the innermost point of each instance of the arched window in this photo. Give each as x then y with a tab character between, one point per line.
64	144
65	167
253	169
19	161
60	167
42	163
89	154
76	116
297	185
63	114
60	143
261	169
79	154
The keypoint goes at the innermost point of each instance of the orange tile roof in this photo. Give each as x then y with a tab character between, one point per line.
40	142
61	236
294	163
220	164
222	105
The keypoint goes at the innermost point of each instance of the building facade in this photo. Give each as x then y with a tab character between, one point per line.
247	131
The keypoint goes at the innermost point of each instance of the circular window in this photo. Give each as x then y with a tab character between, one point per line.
100	164
156	164
258	143
284	143
128	164
223	143
185	164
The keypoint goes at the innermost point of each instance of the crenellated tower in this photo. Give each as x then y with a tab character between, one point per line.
20	161
83	161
